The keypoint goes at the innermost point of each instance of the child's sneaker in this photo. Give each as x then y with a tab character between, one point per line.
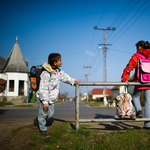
35	123
44	134
139	114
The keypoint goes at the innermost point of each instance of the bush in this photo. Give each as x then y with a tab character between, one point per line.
110	97
99	99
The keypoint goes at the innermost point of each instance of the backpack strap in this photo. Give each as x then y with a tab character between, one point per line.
142	56
139	64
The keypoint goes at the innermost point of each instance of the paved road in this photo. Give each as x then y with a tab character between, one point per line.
63	111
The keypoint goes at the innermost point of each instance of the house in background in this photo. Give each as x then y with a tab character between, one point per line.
14	76
98	93
116	90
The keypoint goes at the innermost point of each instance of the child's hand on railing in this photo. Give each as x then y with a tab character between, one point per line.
126	81
76	82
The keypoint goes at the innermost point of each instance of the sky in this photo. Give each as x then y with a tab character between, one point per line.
67	27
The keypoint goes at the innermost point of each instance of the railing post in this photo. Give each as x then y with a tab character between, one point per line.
77	108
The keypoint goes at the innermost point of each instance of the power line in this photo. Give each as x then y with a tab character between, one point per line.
132	23
95	60
90	45
119	32
123	18
96	68
103	12
94	31
120	14
121	51
119	20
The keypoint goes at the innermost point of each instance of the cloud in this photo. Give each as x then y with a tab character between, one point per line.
90	53
27	59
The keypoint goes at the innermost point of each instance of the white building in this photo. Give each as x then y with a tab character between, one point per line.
14	77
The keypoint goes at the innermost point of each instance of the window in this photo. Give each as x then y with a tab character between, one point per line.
21	87
1	89
11	85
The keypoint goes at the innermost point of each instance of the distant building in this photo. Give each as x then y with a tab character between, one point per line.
116	90
98	93
14	75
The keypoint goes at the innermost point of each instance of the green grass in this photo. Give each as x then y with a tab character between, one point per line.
128	140
99	104
23	105
5	103
92	103
58	102
15	132
64	137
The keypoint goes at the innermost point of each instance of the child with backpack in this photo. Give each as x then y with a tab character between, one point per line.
143	48
49	90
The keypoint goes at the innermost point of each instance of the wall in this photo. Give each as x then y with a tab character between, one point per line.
97	96
16	77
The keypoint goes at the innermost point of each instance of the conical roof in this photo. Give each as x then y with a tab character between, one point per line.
2	62
15	61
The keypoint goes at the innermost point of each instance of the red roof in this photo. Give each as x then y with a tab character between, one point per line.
100	91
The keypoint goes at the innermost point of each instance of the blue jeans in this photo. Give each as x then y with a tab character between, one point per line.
137	104
44	115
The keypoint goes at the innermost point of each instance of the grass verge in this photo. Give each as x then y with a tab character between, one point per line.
94	104
23	105
5	103
64	137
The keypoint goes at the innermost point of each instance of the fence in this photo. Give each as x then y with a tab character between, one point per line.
77	120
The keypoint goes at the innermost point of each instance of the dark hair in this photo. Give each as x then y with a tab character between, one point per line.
143	44
53	57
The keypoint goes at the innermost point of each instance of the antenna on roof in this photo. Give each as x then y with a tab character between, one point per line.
16	39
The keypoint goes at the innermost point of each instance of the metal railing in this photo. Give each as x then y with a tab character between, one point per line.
77	120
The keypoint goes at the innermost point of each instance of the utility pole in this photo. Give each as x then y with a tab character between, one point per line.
104	53
87	95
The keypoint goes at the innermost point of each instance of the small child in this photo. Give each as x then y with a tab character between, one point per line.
49	90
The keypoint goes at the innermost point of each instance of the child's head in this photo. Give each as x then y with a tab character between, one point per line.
53	59
143	45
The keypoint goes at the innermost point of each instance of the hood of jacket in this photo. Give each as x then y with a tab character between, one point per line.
145	52
48	67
